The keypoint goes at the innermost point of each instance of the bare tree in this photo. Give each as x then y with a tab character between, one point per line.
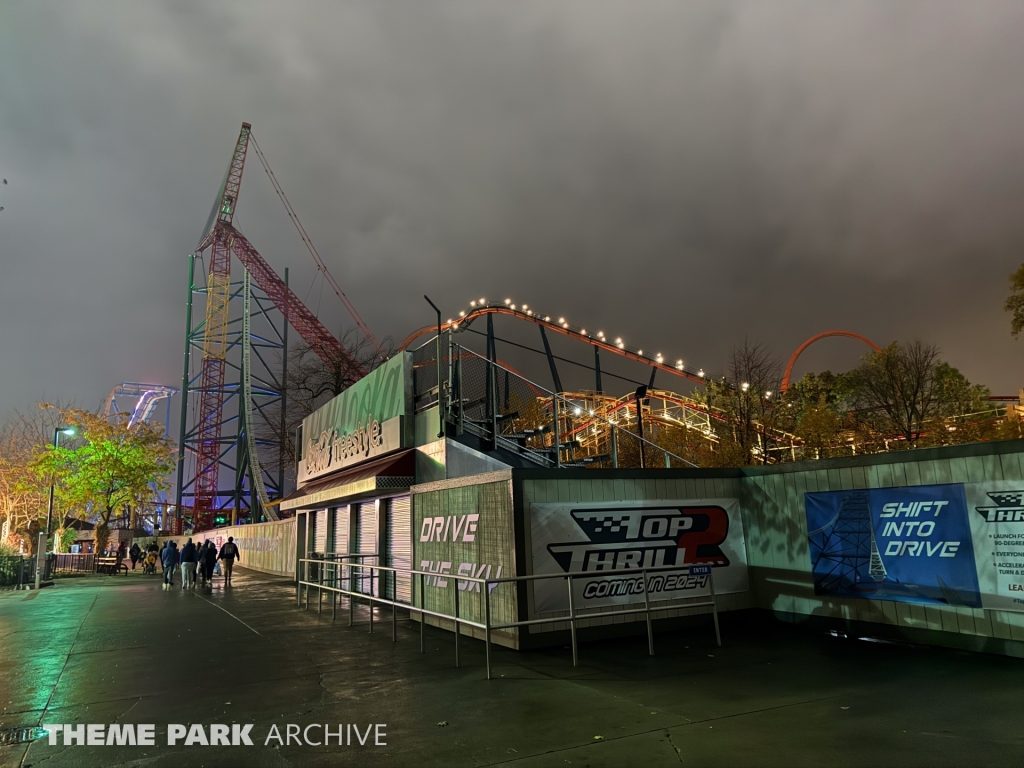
747	397
312	382
900	385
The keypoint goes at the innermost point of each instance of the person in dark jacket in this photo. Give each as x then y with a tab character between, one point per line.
228	554
169	559
134	553
189	556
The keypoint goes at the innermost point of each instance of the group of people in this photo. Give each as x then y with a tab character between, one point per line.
197	560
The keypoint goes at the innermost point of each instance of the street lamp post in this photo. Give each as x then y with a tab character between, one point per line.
44	534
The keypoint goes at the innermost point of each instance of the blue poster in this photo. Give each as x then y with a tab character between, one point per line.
906	544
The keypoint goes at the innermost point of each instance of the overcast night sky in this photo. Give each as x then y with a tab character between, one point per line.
681	174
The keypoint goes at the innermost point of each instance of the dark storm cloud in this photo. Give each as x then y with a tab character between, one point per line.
683	175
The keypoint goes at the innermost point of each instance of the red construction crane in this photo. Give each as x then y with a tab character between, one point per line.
223	239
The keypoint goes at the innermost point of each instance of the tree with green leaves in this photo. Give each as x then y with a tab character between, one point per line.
110	466
1015	302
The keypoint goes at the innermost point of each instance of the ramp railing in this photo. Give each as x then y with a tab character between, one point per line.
327	577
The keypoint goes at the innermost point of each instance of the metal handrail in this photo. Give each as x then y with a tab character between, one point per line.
487	626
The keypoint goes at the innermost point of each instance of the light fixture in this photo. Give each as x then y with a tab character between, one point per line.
561	320
507	302
525	306
745	386
583	331
618	341
462	314
679	364
547	318
701	373
472	303
639	351
513	306
577	412
482	302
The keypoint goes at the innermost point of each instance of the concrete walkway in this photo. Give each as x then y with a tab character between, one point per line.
119	650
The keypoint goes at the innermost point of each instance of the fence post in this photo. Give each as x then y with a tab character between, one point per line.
572	624
458	386
372	574
423	616
487	624
320	590
493	395
351	599
394	609
714	605
336	582
615	448
456	583
647	609
554	413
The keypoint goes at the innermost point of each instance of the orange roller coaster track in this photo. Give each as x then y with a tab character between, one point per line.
816	337
565	328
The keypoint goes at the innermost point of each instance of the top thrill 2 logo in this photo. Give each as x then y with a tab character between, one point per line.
644	537
1009	507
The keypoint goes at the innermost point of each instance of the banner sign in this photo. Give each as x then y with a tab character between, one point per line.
365	421
696	534
955	544
996	511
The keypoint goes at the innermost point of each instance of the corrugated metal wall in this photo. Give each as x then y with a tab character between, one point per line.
776	529
775	526
399	545
320	531
366	539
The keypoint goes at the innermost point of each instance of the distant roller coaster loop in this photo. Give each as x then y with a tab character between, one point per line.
806	344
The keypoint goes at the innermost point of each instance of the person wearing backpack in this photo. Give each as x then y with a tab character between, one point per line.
228	554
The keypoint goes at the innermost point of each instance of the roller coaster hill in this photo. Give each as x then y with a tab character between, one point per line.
236	419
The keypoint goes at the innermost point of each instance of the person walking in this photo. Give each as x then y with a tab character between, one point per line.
188	565
169	559
201	557
134	553
228	554
211	559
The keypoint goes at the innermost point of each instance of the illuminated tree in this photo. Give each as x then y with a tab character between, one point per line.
109	467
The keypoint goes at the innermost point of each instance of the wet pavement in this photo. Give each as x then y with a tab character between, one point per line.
119	650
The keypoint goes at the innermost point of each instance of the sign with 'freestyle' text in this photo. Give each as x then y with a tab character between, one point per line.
365	421
952	544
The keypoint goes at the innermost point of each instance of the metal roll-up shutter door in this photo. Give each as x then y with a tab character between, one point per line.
341	529
367	542
400	546
320	531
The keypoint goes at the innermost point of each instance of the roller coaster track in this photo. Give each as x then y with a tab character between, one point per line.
562	326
